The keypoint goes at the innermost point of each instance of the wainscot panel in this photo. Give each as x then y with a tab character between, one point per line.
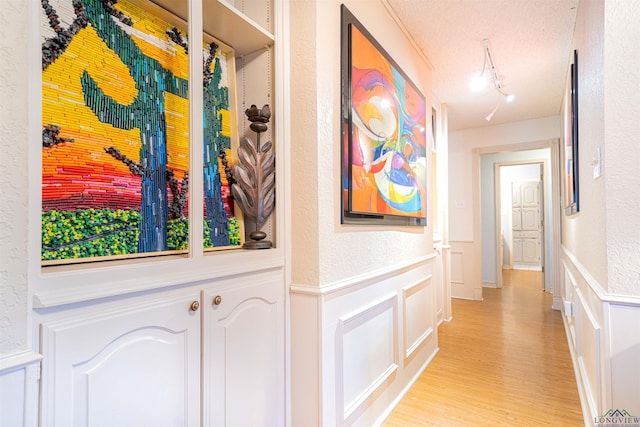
364	328
624	346
19	374
603	333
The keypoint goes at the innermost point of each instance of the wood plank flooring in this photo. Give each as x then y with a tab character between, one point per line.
502	362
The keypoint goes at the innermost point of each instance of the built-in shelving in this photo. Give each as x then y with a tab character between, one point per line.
226	23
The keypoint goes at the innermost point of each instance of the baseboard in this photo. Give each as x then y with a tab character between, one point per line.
527	267
489	284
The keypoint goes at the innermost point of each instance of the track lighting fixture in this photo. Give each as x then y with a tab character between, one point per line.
479	82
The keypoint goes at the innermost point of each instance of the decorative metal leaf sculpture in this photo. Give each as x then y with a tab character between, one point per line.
254	189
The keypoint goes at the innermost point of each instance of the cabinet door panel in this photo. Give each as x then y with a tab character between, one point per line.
530	219
516	218
531	251
516	199
244	379
517	250
530	194
137	366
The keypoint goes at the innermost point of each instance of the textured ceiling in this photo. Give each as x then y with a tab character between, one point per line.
530	41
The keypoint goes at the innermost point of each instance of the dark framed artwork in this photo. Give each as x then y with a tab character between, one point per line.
571	163
384	145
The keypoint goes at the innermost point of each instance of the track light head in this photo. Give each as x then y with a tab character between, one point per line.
478	82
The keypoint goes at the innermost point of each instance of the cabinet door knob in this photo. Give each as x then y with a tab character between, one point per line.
217	300
194	306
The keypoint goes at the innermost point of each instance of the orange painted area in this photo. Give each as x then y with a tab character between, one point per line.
368	57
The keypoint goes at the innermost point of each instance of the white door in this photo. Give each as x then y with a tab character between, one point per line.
527	227
244	354
129	365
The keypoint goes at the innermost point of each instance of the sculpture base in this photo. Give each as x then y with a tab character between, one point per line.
260	244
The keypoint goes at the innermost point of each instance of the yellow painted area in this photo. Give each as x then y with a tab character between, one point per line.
177	118
173	59
226	123
63	97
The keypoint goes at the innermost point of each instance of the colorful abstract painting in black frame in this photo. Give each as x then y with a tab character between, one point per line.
384	141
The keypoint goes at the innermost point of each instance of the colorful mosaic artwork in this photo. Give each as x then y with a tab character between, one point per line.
115	135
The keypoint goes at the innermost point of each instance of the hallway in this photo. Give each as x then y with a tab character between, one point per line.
502	362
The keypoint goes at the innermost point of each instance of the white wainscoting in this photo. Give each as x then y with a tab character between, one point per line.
19	374
366	353
624	356
466	271
374	335
417	315
603	333
583	320
588	351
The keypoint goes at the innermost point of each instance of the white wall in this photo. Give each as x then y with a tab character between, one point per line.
464	191
621	145
590	247
324	250
350	280
13	177
601	244
19	365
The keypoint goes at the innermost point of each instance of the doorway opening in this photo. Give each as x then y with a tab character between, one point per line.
489	222
519	218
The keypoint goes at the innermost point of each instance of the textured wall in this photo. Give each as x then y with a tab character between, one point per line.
13	176
338	251
304	145
584	234
622	145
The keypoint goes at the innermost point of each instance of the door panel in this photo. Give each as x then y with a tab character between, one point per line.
530	219
531	251
245	354
526	224
136	365
516	221
517	250
530	193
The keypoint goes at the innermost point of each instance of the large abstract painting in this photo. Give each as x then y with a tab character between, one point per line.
384	134
115	132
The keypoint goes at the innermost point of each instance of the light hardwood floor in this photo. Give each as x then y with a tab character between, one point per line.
502	362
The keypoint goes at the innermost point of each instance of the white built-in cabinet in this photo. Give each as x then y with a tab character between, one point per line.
149	360
183	340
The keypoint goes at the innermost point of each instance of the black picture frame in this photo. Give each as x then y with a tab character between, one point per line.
573	193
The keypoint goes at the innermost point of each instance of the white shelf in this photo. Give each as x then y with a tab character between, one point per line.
226	23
